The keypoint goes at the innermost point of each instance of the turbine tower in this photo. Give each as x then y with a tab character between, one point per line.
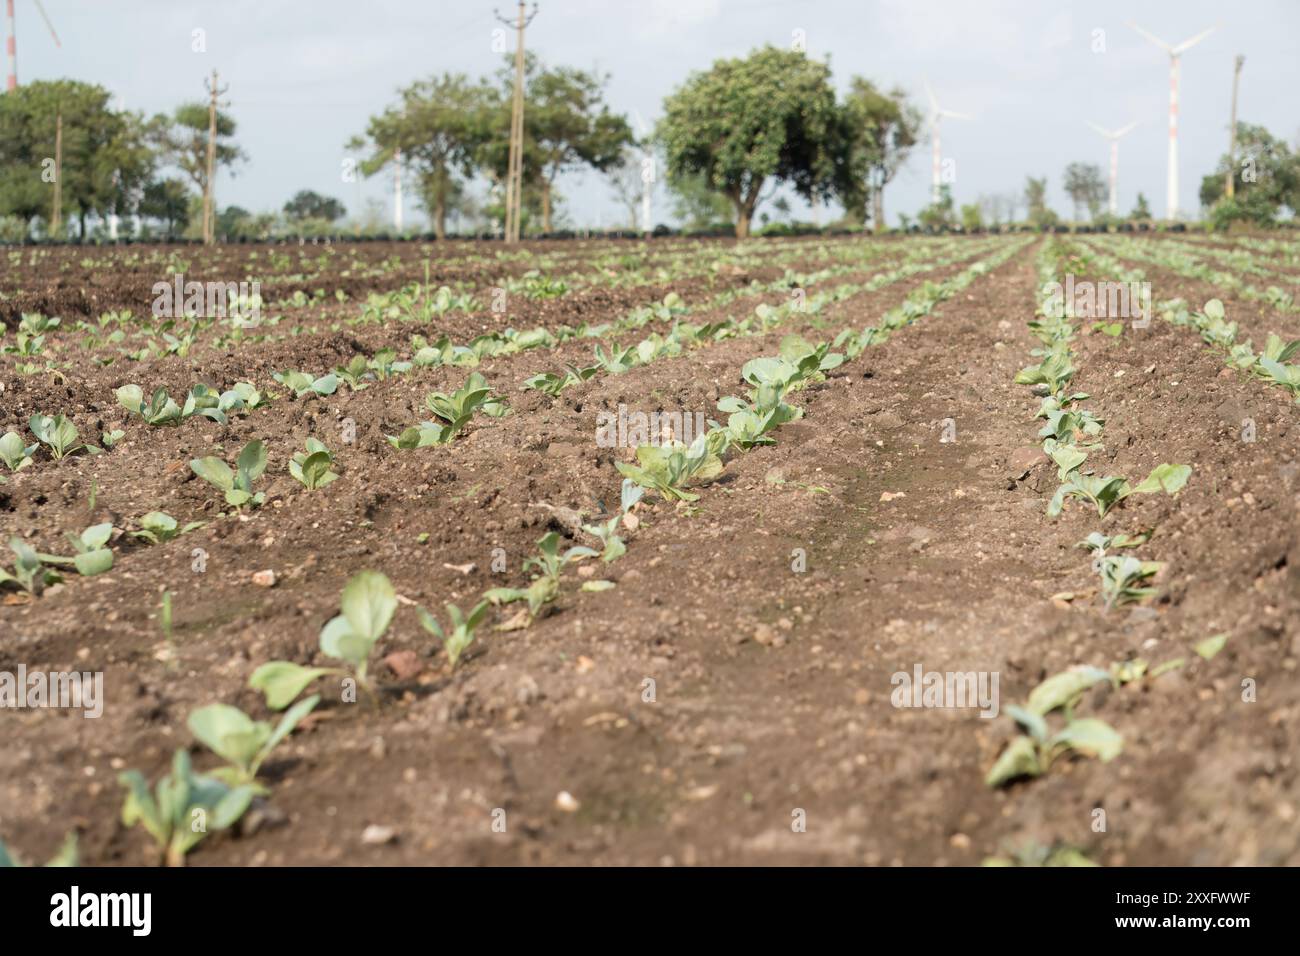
936	115
1175	53
1114	135
647	171
11	44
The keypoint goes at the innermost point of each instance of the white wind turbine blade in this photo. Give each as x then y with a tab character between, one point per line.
1125	130
1152	37
640	121
46	17
934	102
1097	129
1188	44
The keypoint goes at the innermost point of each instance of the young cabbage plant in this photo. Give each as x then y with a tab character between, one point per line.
549	563
355	373
367	604
1067	457
455	410
237	484
667	468
302	384
384	364
183	808
618	361
1032	753
29	572
1122	577
552	383
93	556
606	532
312	468
1054	372
162	410
461	635
158	527
109	439
244	743
14	453
1103	493
813	361
60	436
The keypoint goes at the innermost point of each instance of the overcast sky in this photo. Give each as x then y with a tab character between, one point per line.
304	75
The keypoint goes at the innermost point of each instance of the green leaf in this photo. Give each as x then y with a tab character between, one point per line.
369	603
214	471
1210	646
1019	759
282	681
1091	737
90	563
1168	478
1062	689
252	459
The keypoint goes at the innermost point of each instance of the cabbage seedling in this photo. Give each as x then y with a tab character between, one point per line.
92	556
667	468
384	364
29	573
242	742
237	484
368	604
313	467
158	527
300	383
354	373
1032	753
60	436
546	585
552	383
1122	577
183	808
612	546
162	410
455	410
14	453
462	628
1103	493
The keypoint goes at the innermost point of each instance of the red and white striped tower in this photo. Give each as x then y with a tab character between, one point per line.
11	47
1113	136
1175	53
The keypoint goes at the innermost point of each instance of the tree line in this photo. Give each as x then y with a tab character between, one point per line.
729	139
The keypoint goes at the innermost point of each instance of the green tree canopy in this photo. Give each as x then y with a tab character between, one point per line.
182	140
167	201
440	125
1086	187
744	122
1267	182
105	164
880	131
307	204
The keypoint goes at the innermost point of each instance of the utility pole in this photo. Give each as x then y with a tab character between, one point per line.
515	173
209	218
1230	185
56	217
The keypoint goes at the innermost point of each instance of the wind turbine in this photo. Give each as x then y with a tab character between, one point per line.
1114	135
647	171
936	115
11	47
1175	53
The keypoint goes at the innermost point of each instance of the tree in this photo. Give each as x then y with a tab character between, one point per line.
743	122
971	218
1085	186
1141	211
167	201
880	131
312	205
570	126
182	140
439	126
1268	180
105	157
941	214
627	180
1036	209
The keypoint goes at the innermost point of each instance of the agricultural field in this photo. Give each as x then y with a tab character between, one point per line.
656	552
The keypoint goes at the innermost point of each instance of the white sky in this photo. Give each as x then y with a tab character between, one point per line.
304	75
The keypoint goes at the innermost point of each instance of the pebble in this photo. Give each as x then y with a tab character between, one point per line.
566	802
376	835
264	579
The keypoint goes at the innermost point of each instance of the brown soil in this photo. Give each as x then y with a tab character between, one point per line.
772	688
